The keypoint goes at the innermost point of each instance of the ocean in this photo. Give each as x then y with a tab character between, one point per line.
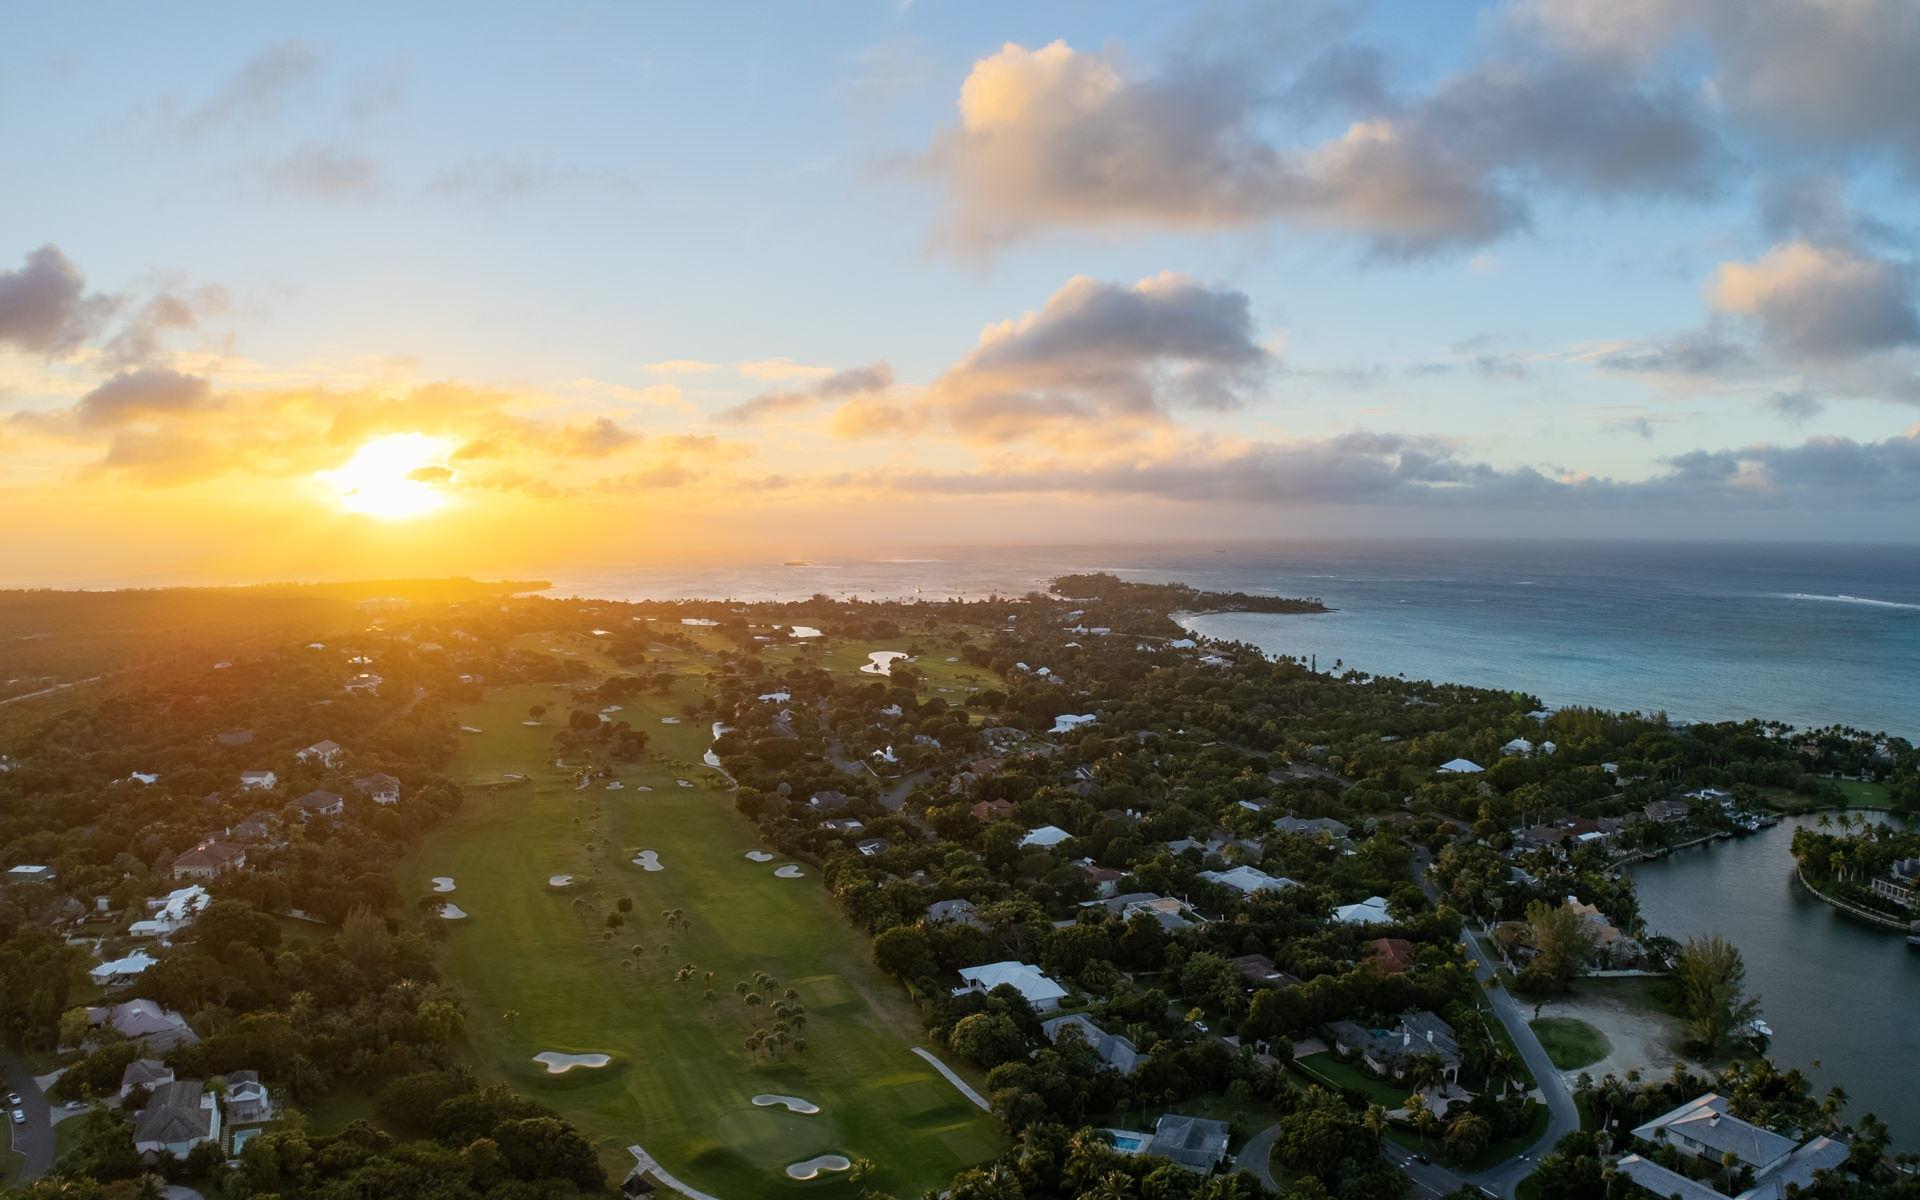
1803	633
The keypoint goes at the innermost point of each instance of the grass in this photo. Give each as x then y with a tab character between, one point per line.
1328	1070
681	1079
1497	1151
1570	1043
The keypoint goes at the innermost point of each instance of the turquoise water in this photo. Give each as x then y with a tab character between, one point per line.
1808	634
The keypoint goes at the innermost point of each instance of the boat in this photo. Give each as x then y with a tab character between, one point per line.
1757	1032
1913	935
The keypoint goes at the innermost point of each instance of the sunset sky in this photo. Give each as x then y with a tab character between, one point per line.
480	288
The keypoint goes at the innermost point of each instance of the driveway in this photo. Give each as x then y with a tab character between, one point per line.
34	1140
1256	1157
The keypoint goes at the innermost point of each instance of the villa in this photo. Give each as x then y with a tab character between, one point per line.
1901	884
1116	1051
1194	1142
178	1116
959	912
172	912
1388	1052
1667	812
1394	956
1371	911
1248	881
1705	1131
1042	993
379	787
326	753
248	1101
209	860
828	801
30	873
122	970
1312	827
1045	836
147	1073
320	803
146	1022
1260	971
258	780
1460	766
1168	912
993	810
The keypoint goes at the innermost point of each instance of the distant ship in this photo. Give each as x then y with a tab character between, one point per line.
796	562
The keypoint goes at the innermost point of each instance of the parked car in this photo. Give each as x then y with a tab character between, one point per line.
19	1116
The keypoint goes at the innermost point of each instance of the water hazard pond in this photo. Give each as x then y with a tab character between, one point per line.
1837	991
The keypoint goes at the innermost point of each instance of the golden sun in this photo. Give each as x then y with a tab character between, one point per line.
394	477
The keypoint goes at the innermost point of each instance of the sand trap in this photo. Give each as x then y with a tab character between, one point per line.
805	631
610	709
759	856
790	872
811	1168
790	1103
559	881
470	729
711	759
559	1064
452	912
443	883
684	782
615	786
702	622
643	788
880	662
535	723
648	860
669	720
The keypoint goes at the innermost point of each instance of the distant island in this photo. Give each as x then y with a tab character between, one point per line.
1151	607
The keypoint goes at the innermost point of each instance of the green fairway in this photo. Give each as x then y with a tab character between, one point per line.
542	970
1570	1043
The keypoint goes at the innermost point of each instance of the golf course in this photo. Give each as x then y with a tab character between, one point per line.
672	965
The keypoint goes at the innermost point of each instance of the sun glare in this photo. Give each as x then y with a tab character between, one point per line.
394	477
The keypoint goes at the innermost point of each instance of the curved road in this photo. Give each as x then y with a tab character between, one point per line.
34	1140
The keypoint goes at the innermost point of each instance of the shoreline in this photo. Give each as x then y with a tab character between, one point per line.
1852	910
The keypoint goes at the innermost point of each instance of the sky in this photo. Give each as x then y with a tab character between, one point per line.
484	288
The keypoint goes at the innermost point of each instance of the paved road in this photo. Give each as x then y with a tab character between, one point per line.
34	1140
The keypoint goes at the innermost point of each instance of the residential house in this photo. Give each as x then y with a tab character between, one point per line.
1045	836
248	1100
843	825
121	971
1460	766
1371	911
1394	956
993	810
1901	883
1389	1051
1667	812
146	1073
1042	993
257	828
828	801
1194	1142
871	847
1260	971
178	1116
1116	1051
327	753
378	787
1105	880
1168	913
1705	1128
320	803
172	912
1248	881
263	781
145	1022
1615	948
1313	827
30	873
959	912
209	860
235	737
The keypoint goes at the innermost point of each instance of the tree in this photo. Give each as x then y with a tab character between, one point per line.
1467	1135
1562	942
1712	978
903	952
988	1039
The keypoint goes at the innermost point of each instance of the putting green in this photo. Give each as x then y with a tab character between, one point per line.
545	969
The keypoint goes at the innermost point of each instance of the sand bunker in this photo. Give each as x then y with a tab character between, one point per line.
610	709
559	881
811	1168
530	722
443	883
559	1064
669	720
470	729
699	622
648	860
790	1103
452	912
759	856
805	631
643	788
711	759
615	786
880	662
684	782
790	872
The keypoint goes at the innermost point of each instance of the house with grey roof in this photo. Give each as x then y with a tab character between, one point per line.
379	787
320	803
959	912
178	1116
1193	1142
147	1073
1116	1051
146	1022
1705	1130
248	1100
1312	827
1390	1050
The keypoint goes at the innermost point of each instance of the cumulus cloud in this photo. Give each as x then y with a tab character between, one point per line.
1097	361
1057	137
151	392
44	306
1823	75
1820	302
1797	407
840	385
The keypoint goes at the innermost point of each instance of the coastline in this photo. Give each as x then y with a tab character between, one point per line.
1852	910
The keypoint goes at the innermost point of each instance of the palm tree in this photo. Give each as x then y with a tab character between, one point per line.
1375	1120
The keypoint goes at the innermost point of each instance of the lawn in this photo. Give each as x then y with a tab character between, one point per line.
1571	1043
1328	1070
541	970
1497	1151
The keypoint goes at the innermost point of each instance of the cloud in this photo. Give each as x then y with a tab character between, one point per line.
1057	137
1099	360
323	171
781	368
1696	354
44	308
145	394
681	366
260	89
1797	407
840	385
499	179
1825	76
1821	303
596	439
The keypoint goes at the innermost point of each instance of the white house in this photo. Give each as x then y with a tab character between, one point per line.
1039	991
173	912
122	970
1045	835
260	780
1460	766
1371	911
1248	880
327	753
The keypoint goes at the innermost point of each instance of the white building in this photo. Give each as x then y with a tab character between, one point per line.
1248	880
1371	911
1045	835
1042	993
1460	766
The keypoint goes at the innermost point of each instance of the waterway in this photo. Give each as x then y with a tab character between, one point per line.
1842	995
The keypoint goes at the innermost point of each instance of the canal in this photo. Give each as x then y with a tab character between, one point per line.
1842	995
